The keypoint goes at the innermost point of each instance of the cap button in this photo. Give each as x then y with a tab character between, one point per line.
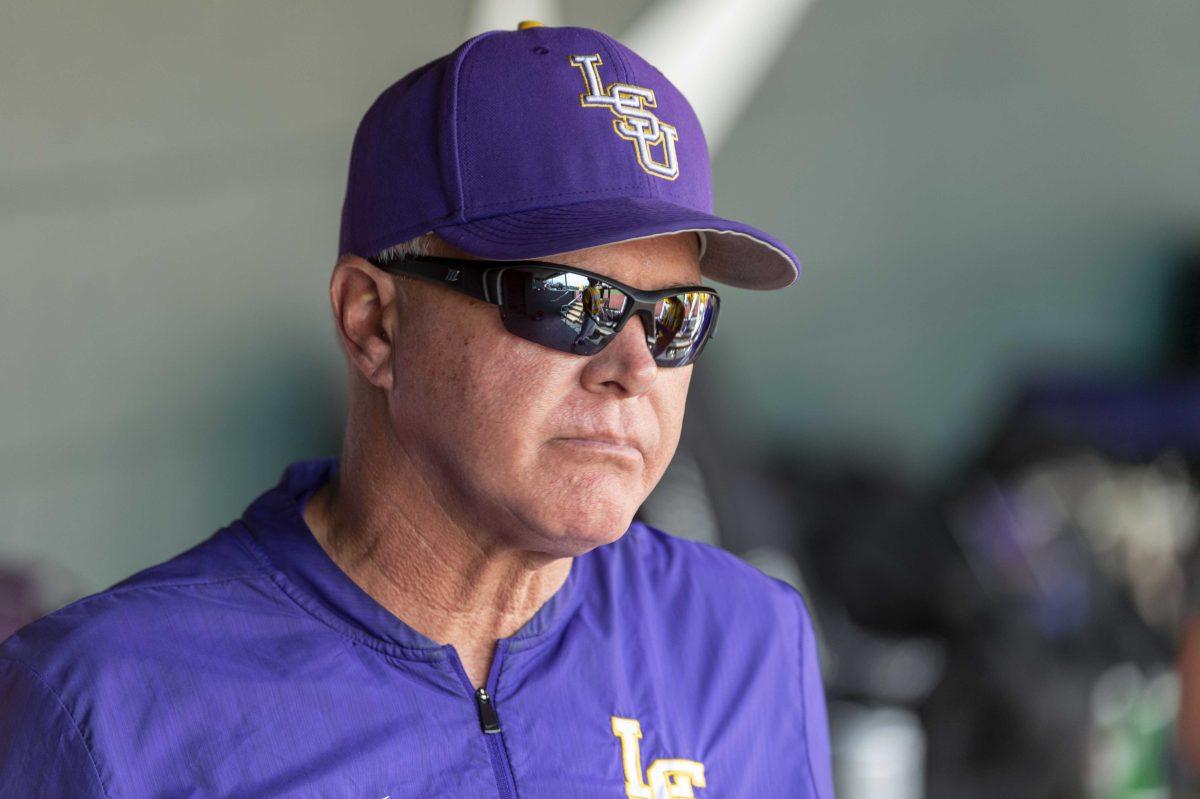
529	23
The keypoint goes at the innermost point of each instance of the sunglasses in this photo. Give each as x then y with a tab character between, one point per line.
573	310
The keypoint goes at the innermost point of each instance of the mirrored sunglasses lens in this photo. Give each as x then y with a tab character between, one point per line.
682	324
562	310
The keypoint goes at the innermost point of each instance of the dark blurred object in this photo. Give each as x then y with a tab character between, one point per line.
1003	607
29	591
1076	523
1014	626
1134	419
1183	313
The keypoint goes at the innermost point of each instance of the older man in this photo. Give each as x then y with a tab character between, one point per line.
460	605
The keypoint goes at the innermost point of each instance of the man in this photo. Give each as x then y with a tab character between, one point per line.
459	605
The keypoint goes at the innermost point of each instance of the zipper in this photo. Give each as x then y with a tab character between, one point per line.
489	721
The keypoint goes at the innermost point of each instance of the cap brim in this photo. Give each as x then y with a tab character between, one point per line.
736	254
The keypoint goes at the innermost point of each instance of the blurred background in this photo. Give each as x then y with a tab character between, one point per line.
969	434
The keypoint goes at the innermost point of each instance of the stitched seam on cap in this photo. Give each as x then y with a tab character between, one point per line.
454	105
611	45
627	76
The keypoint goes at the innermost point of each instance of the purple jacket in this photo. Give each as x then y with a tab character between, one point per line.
251	666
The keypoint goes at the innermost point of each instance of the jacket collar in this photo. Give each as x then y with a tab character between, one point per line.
276	528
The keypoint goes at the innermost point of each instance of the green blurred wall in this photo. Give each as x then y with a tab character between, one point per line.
977	190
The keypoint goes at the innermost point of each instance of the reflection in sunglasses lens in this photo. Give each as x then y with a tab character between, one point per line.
681	325
575	313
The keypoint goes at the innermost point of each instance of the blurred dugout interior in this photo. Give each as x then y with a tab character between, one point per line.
1012	629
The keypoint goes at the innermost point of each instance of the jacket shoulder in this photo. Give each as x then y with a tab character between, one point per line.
145	613
695	579
697	565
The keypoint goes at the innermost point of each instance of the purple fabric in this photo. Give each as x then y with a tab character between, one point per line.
508	149
251	666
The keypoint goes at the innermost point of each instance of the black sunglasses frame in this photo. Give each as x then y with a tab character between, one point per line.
482	280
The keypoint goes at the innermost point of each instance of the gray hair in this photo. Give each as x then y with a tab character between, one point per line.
426	244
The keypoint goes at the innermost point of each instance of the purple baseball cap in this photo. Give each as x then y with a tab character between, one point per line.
530	142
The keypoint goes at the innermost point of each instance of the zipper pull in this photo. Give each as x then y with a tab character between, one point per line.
488	719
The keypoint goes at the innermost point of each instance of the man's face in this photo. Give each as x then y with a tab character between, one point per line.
487	416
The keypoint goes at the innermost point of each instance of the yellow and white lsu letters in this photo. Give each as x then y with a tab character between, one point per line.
666	778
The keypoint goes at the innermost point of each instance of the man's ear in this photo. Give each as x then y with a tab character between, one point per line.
362	296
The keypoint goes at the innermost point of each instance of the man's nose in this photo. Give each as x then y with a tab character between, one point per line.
625	364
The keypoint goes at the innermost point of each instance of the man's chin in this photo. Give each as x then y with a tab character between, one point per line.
573	540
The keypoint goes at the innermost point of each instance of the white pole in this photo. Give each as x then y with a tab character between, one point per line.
716	51
490	15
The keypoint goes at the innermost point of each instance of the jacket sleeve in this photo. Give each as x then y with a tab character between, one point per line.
42	751
816	721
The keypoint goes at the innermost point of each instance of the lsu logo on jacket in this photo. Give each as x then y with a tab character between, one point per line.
665	778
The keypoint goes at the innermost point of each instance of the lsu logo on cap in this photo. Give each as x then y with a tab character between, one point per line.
666	778
634	122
